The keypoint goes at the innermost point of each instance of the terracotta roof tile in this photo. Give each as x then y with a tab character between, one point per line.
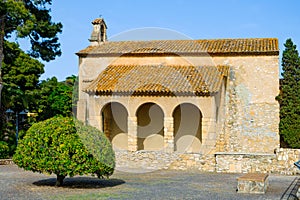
218	46
158	79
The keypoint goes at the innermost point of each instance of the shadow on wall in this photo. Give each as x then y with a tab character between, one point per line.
115	125
187	128
150	127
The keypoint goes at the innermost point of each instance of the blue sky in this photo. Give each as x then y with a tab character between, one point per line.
196	19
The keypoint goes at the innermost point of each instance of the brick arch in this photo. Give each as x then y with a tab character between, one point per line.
150	127
115	124
187	128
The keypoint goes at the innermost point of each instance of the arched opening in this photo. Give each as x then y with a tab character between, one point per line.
115	126
150	131
187	128
102	33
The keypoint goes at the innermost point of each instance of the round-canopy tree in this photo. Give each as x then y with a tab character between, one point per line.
65	147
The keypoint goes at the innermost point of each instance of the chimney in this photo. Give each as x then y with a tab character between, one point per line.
99	32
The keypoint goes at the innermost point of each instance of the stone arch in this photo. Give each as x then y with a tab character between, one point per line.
150	130
187	128
115	124
138	104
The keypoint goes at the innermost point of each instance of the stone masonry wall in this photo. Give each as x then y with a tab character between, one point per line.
250	126
282	162
252	113
156	160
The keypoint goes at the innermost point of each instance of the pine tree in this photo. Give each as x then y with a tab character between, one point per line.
19	71
29	19
289	97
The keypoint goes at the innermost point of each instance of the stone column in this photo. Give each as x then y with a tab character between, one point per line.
132	134
208	135
169	134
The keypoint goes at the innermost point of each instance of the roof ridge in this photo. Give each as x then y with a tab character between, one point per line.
268	46
210	39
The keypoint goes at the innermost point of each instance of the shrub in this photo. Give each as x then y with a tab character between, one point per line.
65	147
4	150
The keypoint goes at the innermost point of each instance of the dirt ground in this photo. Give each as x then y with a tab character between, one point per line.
16	183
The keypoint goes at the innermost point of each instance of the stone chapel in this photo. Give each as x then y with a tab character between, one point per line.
193	99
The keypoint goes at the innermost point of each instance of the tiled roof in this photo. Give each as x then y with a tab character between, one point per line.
158	79
218	46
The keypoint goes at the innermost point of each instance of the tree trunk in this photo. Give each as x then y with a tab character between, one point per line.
59	180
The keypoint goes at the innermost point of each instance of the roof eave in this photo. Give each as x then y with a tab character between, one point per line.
225	54
150	93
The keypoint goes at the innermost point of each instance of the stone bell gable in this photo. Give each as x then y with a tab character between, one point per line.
99	32
199	97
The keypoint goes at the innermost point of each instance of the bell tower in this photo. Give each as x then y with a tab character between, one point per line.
99	32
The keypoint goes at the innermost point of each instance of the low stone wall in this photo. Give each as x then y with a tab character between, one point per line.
147	160
155	160
244	163
285	159
194	161
282	161
6	162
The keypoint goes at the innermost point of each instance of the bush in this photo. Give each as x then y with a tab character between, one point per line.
4	150
65	147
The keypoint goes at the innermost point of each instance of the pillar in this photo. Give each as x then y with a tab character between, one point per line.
209	135
169	134
132	134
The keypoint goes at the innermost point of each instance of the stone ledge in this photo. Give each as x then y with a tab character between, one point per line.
253	177
6	162
244	153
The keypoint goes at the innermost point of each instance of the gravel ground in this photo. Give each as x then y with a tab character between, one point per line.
18	184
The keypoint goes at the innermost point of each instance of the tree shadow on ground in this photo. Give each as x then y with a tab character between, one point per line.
82	182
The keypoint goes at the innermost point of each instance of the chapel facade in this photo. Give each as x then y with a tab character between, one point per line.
181	96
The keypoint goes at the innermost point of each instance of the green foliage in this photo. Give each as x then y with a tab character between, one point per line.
289	97
4	150
21	75
66	148
54	98
73	82
47	99
97	144
31	19
10	137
